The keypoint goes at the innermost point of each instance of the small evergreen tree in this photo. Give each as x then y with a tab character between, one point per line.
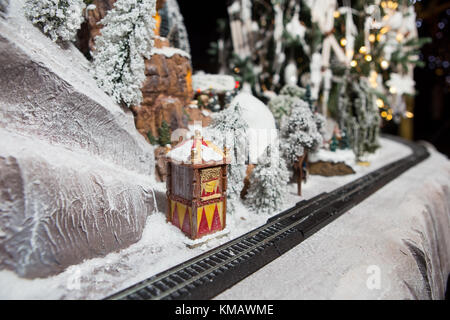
293	91
151	138
164	134
230	128
268	185
300	133
59	19
334	143
358	116
172	26
344	141
125	40
299	136
281	107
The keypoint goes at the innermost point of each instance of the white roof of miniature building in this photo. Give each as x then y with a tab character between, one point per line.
218	82
206	151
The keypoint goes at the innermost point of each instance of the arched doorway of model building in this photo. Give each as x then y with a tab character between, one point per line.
201	18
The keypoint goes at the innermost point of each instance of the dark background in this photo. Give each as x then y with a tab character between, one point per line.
432	115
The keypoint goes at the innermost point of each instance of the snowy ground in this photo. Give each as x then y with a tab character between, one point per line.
162	246
393	245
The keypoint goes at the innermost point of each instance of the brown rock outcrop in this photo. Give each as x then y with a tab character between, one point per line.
167	91
329	169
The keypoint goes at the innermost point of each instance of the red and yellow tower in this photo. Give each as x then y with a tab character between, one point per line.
197	186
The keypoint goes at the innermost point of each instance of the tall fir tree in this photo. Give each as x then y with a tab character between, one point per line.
126	38
164	134
59	19
172	26
358	116
299	136
300	133
230	128
268	184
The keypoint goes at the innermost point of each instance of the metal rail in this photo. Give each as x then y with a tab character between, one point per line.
209	274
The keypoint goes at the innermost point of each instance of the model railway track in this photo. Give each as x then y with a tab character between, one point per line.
209	274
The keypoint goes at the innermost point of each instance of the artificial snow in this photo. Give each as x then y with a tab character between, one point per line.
163	246
393	245
262	130
346	156
218	82
191	243
169	52
60	19
295	28
182	153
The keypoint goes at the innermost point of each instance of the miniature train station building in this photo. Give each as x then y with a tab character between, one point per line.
197	186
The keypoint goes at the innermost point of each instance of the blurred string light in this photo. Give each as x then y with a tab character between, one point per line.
380	103
384	65
393	90
409	114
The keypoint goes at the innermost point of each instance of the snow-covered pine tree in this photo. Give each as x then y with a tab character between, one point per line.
164	134
320	122
300	135
281	107
172	26
229	128
358	116
293	91
268	184
118	58
59	19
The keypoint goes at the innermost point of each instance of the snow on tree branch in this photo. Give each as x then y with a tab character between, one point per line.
172	26
230	128
268	184
59	19
126	38
301	132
